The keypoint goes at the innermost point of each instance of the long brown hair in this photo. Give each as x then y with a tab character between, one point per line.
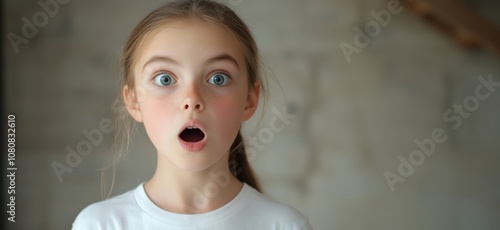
205	10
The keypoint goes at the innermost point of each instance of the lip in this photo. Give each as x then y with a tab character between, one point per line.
192	146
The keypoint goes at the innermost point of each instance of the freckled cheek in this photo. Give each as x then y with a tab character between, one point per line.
227	116
159	116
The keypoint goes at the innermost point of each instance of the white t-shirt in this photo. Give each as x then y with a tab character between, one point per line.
134	210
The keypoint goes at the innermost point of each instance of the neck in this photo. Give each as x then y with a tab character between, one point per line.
182	191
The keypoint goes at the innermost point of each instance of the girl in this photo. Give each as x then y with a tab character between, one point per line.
192	77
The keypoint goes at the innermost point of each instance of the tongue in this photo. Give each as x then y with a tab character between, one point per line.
192	135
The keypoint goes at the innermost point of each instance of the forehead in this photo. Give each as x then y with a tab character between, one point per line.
190	40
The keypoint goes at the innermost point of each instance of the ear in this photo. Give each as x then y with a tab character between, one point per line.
132	104
252	101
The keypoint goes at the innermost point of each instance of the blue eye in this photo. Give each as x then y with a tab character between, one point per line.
164	79
219	79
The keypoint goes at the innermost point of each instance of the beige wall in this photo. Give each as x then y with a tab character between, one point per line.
351	120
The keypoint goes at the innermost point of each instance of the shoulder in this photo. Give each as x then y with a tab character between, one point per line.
104	213
275	213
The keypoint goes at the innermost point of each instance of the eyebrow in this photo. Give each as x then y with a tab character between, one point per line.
220	57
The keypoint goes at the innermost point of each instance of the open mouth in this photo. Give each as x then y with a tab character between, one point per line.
192	134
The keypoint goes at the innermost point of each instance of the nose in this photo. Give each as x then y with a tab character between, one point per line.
193	99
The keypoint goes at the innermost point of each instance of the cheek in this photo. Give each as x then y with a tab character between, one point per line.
158	116
227	113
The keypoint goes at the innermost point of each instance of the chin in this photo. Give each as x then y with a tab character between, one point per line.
198	163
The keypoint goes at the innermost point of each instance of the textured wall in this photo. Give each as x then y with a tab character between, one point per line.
353	121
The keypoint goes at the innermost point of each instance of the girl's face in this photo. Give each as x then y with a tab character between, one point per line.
191	92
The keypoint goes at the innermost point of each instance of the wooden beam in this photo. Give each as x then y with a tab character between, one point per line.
462	23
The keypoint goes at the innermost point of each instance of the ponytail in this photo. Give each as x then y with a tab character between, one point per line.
238	163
